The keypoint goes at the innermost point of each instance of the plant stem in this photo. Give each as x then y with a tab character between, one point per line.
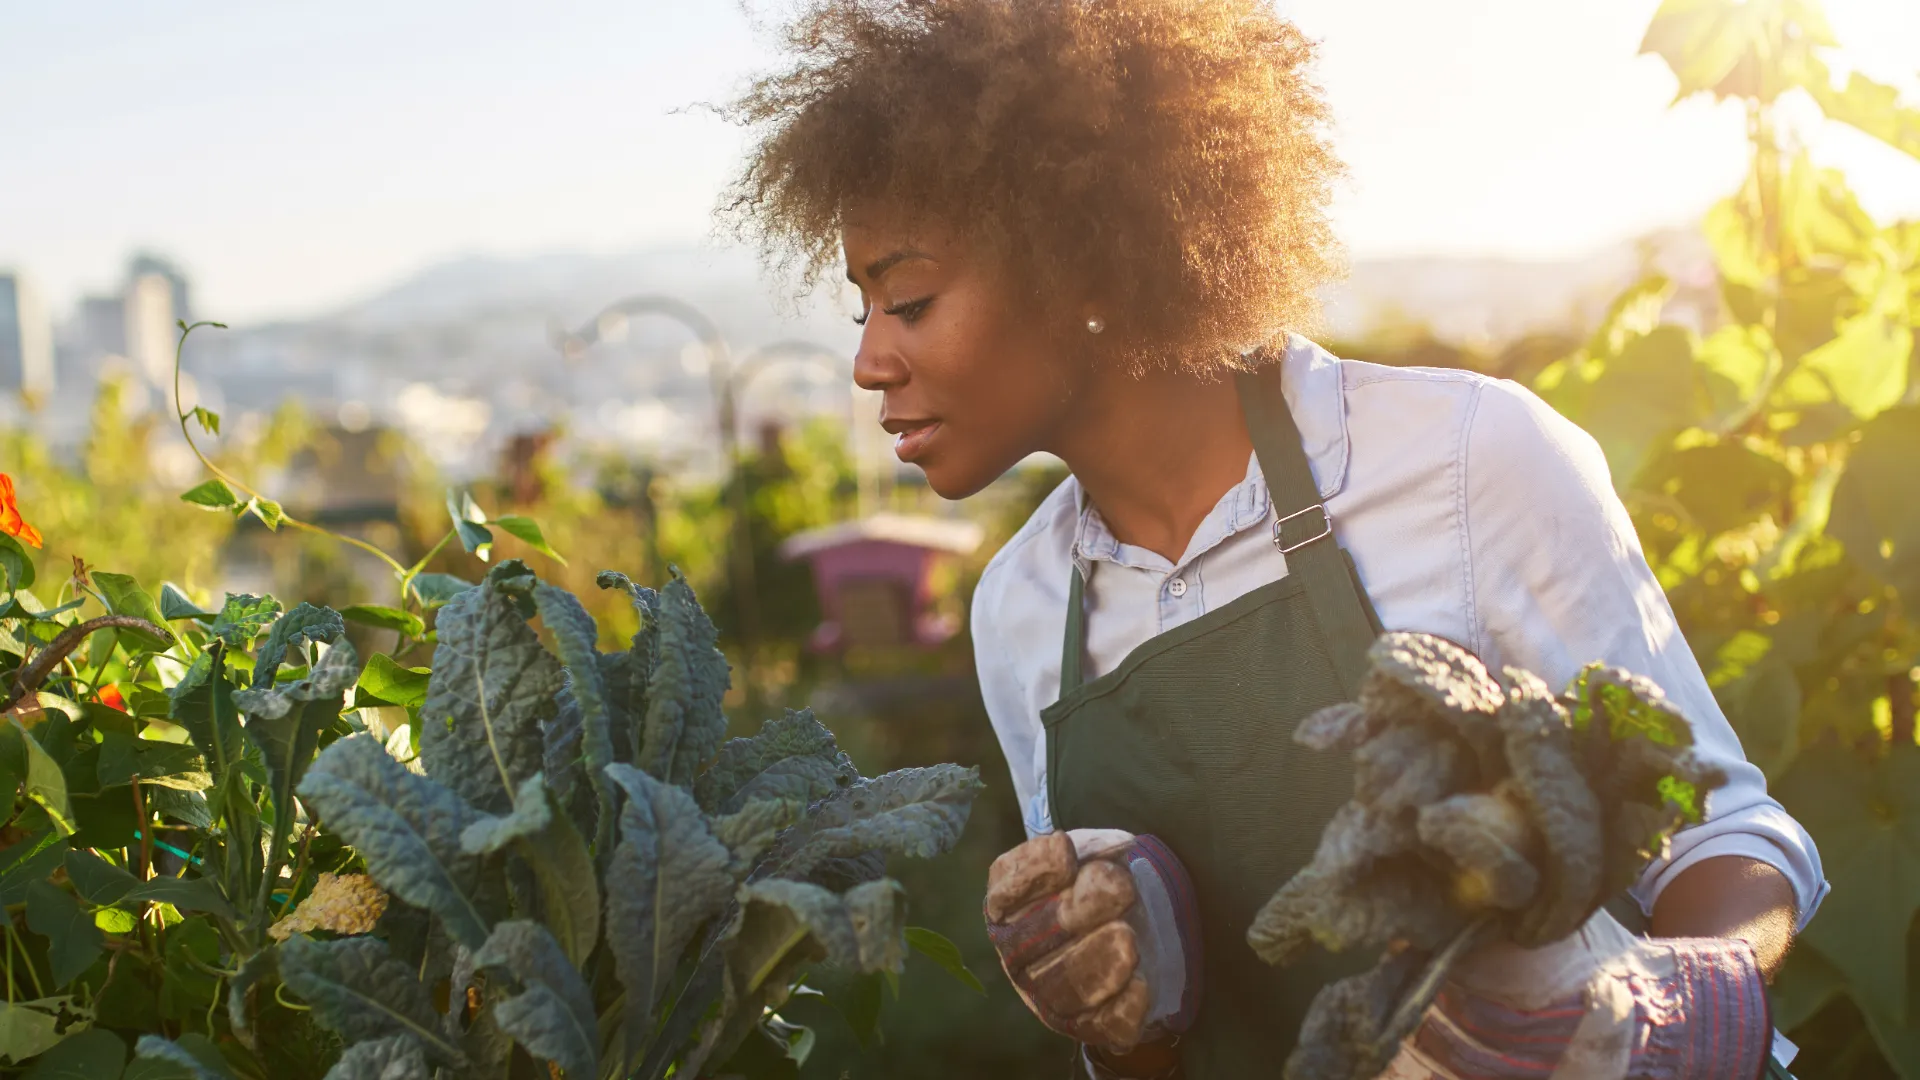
34	673
13	936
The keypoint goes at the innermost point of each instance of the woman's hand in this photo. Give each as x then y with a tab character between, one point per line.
1089	958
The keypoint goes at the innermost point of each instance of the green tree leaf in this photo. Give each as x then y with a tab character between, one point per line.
304	625
1874	513
30	860
269	512
93	1054
213	494
914	812
387	680
127	598
435	590
406	827
684	721
98	881
1865	817
575	634
493	684
26	1031
175	604
553	1015
794	757
15	564
123	756
1736	48
387	618
469	524
358	988
751	830
1866	365
209	420
668	875
935	947
547	840
46	783
73	941
528	531
395	1057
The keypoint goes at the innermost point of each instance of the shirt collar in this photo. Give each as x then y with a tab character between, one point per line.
1311	379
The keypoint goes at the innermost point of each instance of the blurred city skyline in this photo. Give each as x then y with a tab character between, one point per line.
293	165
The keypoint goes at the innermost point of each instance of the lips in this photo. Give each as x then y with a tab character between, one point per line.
911	436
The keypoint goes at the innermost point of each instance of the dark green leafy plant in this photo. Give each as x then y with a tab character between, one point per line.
580	866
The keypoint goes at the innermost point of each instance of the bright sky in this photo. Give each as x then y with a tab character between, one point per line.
295	157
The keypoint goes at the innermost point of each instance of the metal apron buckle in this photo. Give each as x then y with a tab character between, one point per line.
1326	528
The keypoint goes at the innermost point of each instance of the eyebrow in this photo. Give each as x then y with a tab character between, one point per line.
888	261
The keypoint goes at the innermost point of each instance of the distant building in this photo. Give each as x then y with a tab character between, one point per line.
149	326
26	338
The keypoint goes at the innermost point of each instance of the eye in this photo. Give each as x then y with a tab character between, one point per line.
861	319
910	310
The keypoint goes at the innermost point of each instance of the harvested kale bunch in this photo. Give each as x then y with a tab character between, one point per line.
1481	809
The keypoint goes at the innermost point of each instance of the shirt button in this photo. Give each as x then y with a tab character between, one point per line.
1177	588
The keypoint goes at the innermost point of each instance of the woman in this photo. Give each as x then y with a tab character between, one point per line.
1091	227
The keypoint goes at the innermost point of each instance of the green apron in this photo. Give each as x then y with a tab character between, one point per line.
1191	739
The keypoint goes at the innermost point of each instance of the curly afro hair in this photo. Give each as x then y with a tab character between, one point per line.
1166	160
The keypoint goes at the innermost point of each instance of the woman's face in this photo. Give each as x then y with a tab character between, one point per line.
973	382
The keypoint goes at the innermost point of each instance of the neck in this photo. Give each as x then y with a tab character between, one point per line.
1155	453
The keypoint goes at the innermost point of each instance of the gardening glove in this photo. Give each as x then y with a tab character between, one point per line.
1098	932
1600	1004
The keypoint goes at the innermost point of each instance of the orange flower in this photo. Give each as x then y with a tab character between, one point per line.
109	695
10	522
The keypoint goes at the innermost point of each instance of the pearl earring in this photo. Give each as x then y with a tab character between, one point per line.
1096	324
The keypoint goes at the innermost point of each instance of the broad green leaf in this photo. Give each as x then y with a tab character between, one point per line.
627	674
668	875
115	920
1872	107
191	1057
435	590
547	840
98	881
1648	393
26	1031
1737	48
528	531
794	757
386	618
16	565
1874	512
553	1015
123	756
1866	365
127	598
285	722
1865	817
406	827
93	1054
493	684
45	782
186	894
914	812
751	830
175	604
362	991
1764	708
574	634
469	523
304	625
684	721
395	1057
935	947
32	859
1722	486
213	494
387	680
73	941
799	906
203	704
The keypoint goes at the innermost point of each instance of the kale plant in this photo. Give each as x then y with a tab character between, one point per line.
580	866
1479	811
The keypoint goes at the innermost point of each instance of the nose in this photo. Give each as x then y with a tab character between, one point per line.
877	364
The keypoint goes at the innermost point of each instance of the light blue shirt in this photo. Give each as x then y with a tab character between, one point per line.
1473	511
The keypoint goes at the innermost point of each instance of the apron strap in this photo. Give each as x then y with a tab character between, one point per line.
1303	529
1073	649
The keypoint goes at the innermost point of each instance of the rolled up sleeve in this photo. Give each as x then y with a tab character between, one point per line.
1558	580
